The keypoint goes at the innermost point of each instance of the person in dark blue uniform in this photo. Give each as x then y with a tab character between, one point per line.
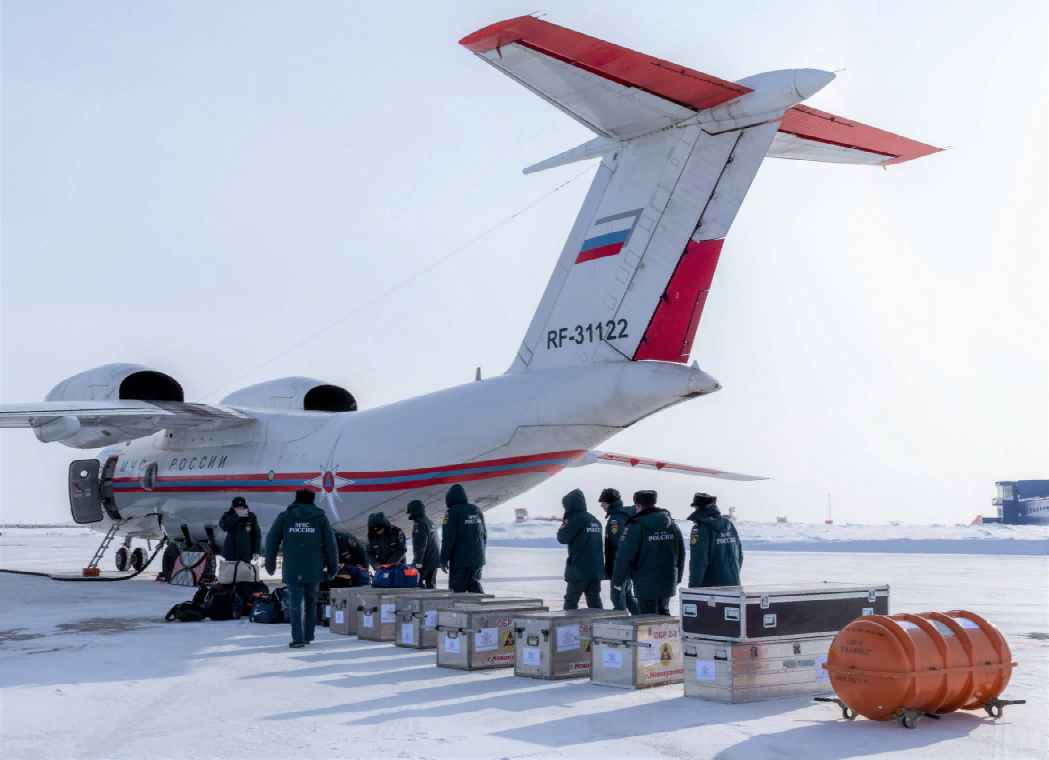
308	543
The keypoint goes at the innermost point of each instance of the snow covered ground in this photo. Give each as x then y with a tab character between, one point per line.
91	670
909	539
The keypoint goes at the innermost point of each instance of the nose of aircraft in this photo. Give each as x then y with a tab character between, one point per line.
808	82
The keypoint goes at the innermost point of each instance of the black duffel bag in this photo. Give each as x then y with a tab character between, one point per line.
217	601
186	612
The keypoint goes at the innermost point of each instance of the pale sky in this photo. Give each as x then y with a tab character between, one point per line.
198	187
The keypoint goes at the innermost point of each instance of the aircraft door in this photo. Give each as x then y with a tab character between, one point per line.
105	488
85	501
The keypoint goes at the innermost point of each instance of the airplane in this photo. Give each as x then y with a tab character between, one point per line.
609	343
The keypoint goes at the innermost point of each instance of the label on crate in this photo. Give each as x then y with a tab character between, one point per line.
495	659
327	610
430	619
450	644
612	658
530	655
406	634
567	638
486	639
388	613
367	621
340	617
705	670
647	655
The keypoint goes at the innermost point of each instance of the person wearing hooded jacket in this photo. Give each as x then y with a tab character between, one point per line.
463	541
584	568
386	543
715	552
304	534
243	540
652	554
351	550
616	516
426	544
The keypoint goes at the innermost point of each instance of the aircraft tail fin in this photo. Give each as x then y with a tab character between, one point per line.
679	150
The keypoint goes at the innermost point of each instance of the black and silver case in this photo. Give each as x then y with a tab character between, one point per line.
768	613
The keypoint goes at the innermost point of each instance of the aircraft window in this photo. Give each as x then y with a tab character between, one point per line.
329	398
150	386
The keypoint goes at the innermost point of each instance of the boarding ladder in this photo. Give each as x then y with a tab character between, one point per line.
101	550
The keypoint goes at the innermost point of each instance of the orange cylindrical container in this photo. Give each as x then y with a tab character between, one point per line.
933	662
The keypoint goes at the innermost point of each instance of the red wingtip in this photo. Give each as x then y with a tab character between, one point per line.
498	34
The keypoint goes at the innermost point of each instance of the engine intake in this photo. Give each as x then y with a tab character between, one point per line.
110	382
113	382
303	394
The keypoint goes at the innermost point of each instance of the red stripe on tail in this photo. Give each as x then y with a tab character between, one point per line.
673	326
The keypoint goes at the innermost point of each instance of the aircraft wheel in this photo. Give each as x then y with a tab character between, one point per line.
121	559
138	559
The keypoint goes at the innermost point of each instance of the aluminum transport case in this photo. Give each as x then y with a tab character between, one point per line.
481	635
344	604
377	611
636	652
723	671
734	613
548	643
417	616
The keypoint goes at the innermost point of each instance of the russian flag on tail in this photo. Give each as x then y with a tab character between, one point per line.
607	236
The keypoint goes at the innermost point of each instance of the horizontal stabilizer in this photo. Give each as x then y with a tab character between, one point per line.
624	460
612	90
809	135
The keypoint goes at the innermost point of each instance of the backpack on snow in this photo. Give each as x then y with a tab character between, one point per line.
219	601
246	591
186	612
271	608
266	608
324	608
284	598
395	576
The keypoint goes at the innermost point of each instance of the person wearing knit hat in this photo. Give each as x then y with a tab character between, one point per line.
715	551
243	540
652	554
616	516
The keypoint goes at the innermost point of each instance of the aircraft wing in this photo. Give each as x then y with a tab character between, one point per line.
67	421
625	460
612	90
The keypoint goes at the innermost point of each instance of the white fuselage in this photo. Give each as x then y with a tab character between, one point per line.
498	437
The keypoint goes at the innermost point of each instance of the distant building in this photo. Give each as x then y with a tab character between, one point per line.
1021	502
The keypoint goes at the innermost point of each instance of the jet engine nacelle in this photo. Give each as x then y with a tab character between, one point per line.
118	382
110	382
301	394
